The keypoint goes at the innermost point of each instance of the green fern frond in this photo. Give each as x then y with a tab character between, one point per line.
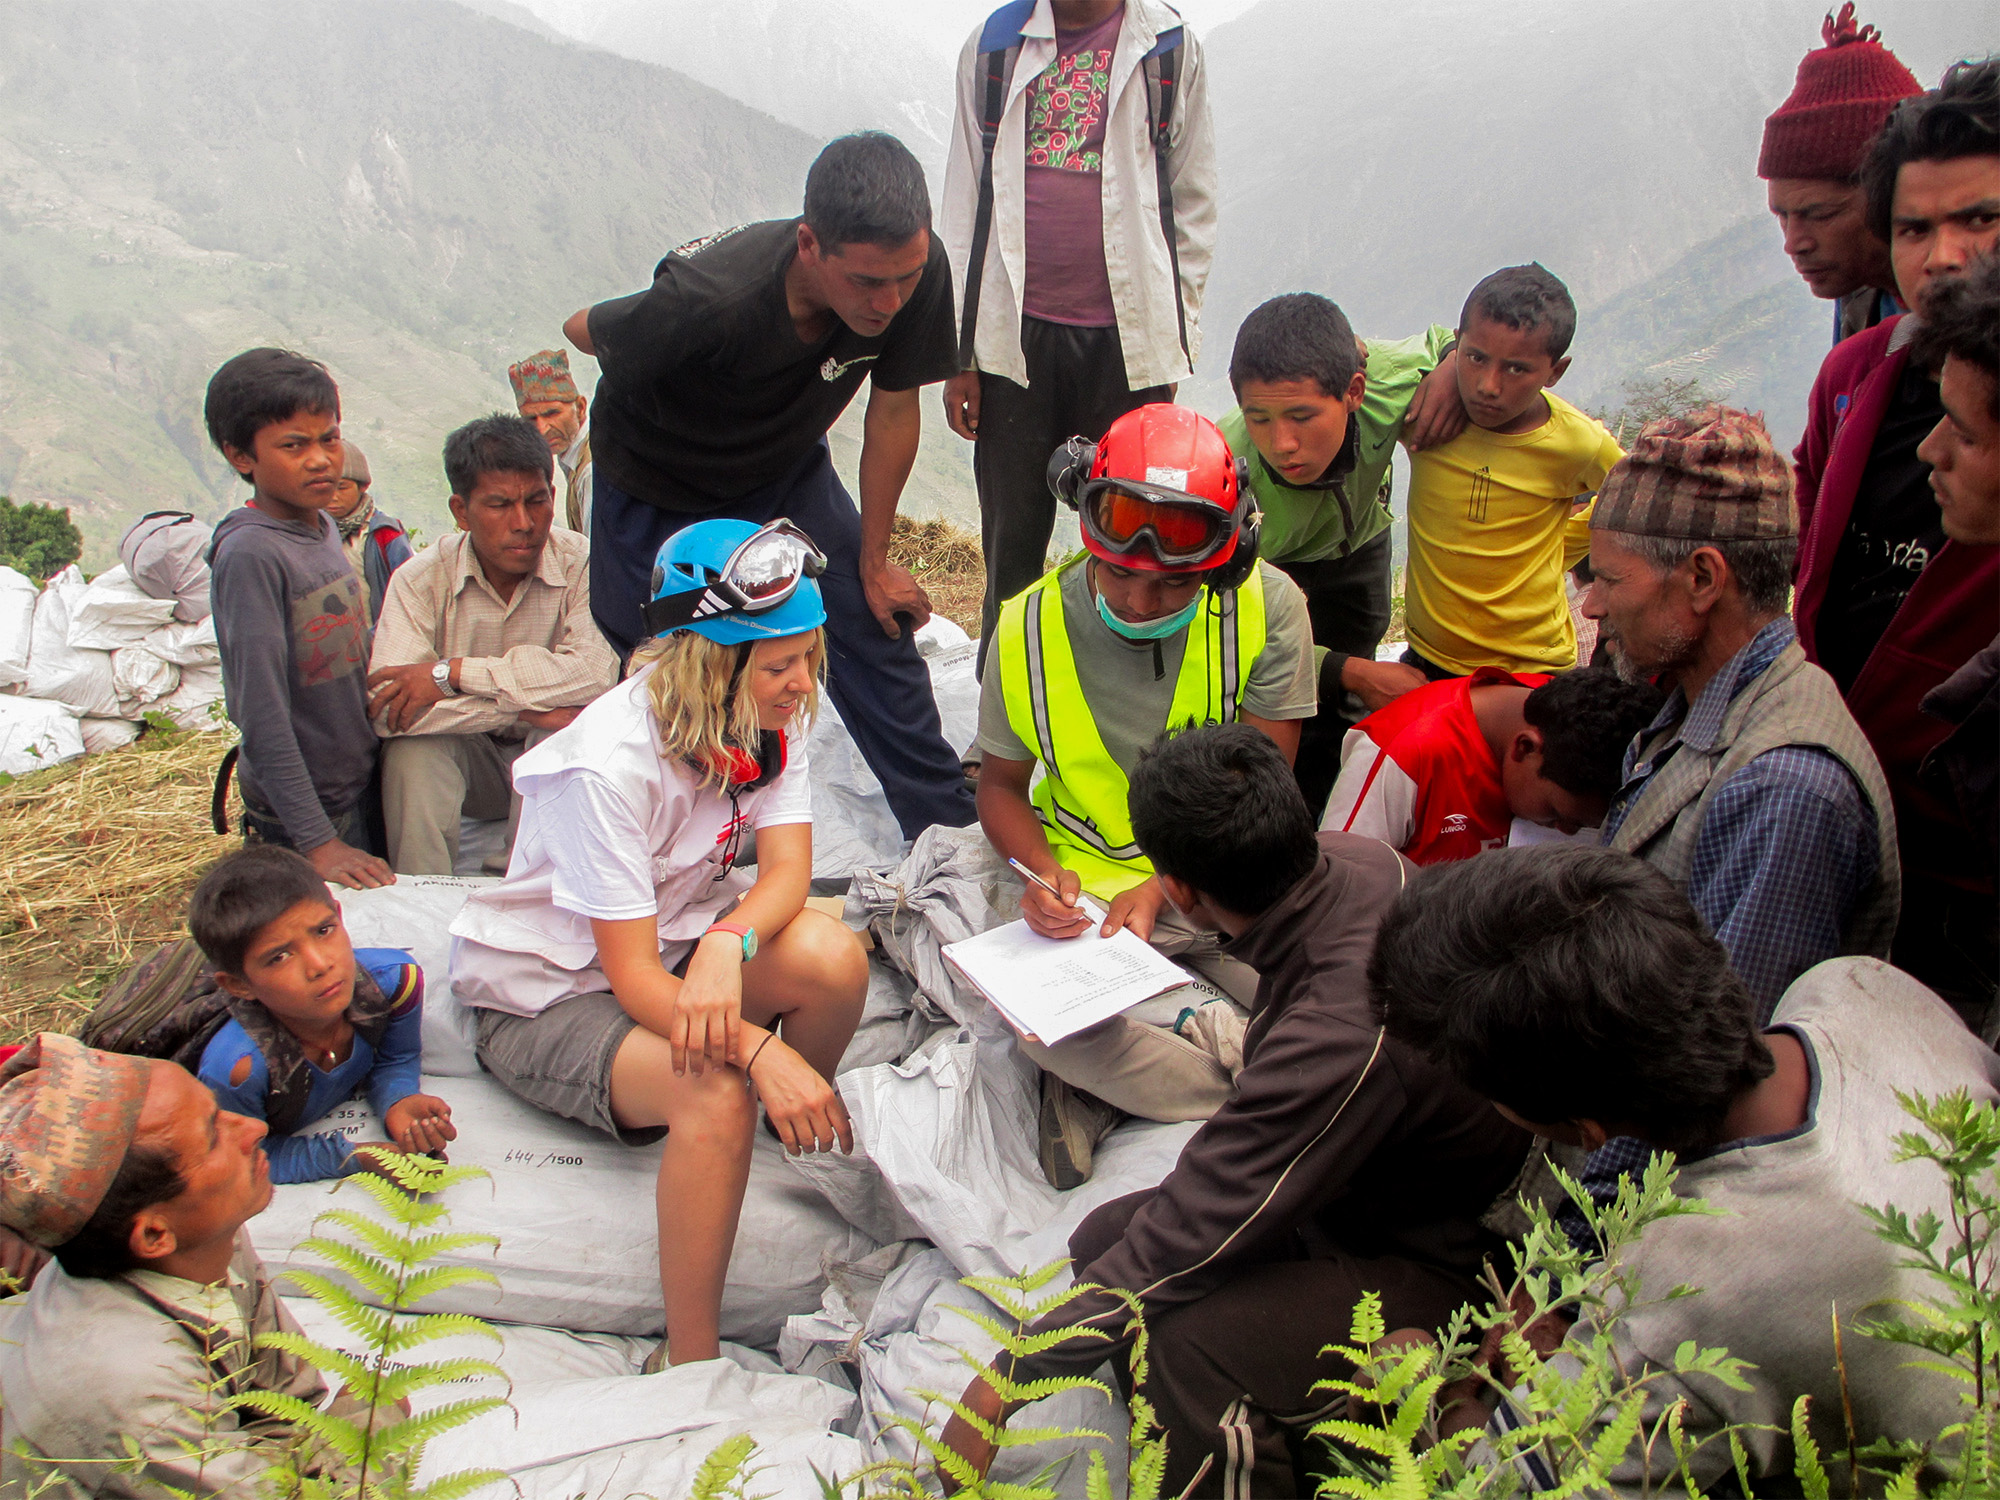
410	1434
435	1279
1806	1465
1020	1344
723	1466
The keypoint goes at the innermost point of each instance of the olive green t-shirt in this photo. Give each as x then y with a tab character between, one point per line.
1310	523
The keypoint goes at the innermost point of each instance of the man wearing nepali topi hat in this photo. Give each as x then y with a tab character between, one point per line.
125	1171
1814	145
546	394
1753	789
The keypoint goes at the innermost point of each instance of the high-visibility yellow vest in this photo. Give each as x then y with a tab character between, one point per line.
1081	796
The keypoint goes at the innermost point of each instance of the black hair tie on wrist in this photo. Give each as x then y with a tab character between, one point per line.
755	1055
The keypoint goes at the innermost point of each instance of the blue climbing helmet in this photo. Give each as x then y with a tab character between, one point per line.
734	581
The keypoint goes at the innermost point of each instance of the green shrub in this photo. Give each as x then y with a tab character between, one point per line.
37	540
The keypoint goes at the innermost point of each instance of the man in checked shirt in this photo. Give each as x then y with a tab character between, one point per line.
485	644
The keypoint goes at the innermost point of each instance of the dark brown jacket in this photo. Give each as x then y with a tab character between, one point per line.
1336	1140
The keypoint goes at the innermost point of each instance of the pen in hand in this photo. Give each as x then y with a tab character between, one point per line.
1084	904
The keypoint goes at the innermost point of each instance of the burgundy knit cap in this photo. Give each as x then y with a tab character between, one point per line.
1710	476
1842	96
68	1113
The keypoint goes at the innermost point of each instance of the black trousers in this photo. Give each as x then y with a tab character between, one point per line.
1231	1376
1349	601
1076	387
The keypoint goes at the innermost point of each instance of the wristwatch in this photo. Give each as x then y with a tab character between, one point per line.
441	675
747	933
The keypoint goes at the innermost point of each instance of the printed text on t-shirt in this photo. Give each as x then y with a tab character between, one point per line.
1064	104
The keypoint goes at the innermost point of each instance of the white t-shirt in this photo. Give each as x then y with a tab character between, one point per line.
609	829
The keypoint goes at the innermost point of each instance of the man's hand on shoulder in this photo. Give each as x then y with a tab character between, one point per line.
891	591
400	695
1437	412
343	864
1379	683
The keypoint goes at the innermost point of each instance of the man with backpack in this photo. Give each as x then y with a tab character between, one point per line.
1079	213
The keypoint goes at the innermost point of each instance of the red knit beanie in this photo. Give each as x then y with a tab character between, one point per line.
1844	93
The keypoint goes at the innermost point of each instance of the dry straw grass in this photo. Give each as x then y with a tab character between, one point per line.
945	560
96	860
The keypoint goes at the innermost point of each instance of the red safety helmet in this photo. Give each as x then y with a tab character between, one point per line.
1162	493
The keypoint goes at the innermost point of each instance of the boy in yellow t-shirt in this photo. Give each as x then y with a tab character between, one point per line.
1494	520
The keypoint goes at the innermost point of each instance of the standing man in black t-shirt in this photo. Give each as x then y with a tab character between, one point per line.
718	385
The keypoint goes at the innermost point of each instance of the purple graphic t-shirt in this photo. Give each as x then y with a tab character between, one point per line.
1067	104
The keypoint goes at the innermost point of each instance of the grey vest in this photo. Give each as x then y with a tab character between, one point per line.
1791	702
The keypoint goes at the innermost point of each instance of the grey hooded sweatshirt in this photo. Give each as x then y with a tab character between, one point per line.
293	627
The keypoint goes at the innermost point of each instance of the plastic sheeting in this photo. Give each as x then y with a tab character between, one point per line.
648	1434
17	625
585	1422
415	914
166	554
142	679
100	735
574	1212
852	824
35	734
193	704
950	1137
63	673
112	611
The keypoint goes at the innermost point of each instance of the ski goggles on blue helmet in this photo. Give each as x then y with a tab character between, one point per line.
733	581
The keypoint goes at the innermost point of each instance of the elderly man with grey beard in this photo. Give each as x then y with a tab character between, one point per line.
1753	790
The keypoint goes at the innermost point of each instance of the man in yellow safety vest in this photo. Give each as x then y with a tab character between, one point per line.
1166	620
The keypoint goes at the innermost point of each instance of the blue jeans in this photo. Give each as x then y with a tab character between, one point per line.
881	687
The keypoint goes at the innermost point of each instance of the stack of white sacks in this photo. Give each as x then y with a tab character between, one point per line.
83	663
845	1276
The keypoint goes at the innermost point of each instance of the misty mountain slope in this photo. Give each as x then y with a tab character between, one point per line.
1730	313
1391	156
826	66
410	191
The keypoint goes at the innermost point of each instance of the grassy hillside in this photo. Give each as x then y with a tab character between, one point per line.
410	191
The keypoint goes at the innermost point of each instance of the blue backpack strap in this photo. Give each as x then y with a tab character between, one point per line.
999	50
1162	67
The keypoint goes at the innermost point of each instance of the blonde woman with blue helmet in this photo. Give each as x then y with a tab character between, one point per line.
625	973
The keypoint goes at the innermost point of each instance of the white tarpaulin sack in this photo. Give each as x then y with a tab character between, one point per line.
193	704
60	672
166	555
17	626
574	1213
585	1409
36	734
113	611
951	1136
185	644
100	735
646	1435
415	914
852	824
142	679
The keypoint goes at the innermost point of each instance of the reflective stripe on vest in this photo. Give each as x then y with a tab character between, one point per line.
1081	796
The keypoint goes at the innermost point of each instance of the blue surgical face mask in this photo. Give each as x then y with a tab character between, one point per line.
1151	630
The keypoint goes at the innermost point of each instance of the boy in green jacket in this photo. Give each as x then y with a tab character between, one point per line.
1322	412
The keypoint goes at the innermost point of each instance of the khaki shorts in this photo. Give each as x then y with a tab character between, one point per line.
560	1060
